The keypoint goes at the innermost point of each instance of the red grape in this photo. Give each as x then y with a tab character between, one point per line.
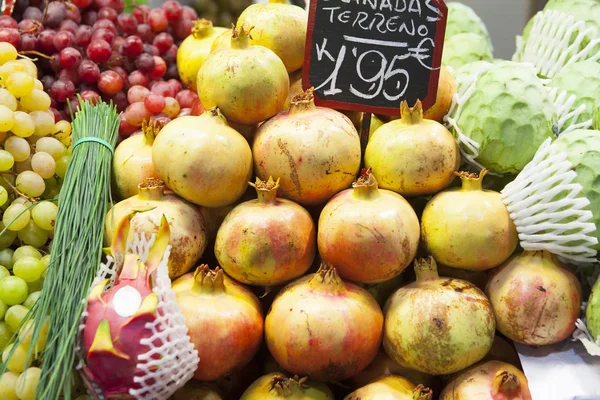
122	73
117	43
144	32
157	20
172	72
127	23
125	129
171	107
154	103
63	39
99	51
89	17
62	90
57	116
132	46
83	36
145	63
151	49
88	71
170	56
69	75
161	119
104	34
28	42
106	24
73	12
107	13
47	81
138	78
69	58
30	26
176	85
7	22
183	28
184	112
136	113
173	10
189	13
140	13
10	35
91	96
163	41
33	13
137	94
68	25
46	41
120	100
160	68
55	14
110	82
81	4
163	88
117	5
186	98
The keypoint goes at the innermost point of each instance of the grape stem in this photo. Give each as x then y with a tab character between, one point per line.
36	53
17	191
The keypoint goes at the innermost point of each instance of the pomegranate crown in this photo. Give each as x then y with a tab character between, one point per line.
422	393
411	115
285	386
267	185
202	27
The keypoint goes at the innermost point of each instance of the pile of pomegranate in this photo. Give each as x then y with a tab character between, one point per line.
304	268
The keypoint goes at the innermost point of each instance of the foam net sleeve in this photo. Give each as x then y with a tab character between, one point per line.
555	41
562	225
566	112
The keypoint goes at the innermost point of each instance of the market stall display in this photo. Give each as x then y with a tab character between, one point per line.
185	216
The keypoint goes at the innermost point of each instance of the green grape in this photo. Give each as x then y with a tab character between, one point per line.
8	384
7	99
28	268
7	238
37	100
22	200
19	84
13	290
33	235
3	308
3	196
6	258
8	52
7	119
51	146
6	161
27	383
4	272
32	298
26	334
35	286
37	84
5	335
43	164
61	166
23	166
30	183
16	217
44	122
24	126
44	215
28	65
62	130
18	361
45	260
14	315
11	66
26	251
18	148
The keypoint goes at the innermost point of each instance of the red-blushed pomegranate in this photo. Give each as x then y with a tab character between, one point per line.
383	365
278	386
493	380
280	27
412	156
188	231
391	387
324	328
268	241
132	162
371	235
248	83
468	227
437	325
535	297
203	159
224	321
315	151
194	50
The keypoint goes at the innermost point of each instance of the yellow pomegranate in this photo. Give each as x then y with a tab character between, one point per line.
445	92
223	41
194	50
391	387
295	87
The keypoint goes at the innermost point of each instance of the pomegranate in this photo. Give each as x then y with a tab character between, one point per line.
468	227
535	297
224	320
188	231
203	159
437	325
430	155
393	388
383	365
280	27
371	235
223	41
315	151
382	291
295	87
478	278
194	50
248	83
277	386
298	327
493	380
194	390
267	241
116	318
132	162
445	92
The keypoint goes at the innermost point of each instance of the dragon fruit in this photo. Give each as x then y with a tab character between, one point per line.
117	317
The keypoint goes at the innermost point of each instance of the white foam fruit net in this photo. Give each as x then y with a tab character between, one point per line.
548	209
178	358
564	104
555	41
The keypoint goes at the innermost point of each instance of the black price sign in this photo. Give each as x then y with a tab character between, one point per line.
369	55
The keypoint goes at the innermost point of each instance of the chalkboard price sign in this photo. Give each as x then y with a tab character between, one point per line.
369	55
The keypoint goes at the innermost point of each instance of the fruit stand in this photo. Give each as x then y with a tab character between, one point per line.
348	200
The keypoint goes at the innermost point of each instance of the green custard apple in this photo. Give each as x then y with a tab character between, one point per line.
466	48
596	116
592	313
510	114
582	147
463	19
468	69
581	79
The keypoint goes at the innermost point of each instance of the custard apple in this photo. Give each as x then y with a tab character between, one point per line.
596	116
465	48
509	114
463	19
592	313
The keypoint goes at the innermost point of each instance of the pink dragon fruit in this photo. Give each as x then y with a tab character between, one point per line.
117	317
